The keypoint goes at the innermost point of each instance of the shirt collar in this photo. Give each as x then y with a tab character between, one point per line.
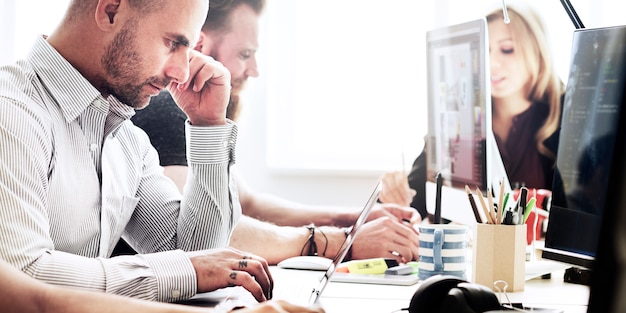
72	91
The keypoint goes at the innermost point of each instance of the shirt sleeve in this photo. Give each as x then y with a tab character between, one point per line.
203	219
210	208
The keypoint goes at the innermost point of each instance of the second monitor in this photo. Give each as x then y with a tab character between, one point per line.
460	142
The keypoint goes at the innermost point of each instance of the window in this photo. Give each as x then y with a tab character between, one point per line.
21	21
346	83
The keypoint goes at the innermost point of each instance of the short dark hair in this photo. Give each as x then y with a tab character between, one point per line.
219	11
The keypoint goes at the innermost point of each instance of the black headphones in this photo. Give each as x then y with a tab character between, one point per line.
445	293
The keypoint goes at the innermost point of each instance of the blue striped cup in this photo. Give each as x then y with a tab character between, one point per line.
442	250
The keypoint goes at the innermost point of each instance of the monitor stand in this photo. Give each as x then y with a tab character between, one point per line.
577	275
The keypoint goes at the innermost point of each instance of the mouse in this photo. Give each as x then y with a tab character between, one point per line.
306	262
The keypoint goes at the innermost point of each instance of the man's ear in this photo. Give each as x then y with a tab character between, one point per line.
205	44
107	14
201	42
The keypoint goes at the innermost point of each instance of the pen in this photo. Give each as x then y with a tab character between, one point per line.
522	203
508	218
438	179
506	199
479	220
484	205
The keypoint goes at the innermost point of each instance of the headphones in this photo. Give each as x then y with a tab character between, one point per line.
445	293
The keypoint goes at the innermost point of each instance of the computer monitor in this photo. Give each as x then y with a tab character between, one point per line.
460	143
586	160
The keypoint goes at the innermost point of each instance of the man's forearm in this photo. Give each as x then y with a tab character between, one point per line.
276	243
284	212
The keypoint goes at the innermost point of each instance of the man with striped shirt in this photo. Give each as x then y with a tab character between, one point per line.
75	173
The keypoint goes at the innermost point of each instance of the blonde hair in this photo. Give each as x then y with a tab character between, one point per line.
530	37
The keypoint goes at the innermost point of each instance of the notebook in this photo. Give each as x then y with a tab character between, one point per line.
309	289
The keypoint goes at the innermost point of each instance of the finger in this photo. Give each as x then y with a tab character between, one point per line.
398	190
266	270
402	252
412	216
202	70
394	195
259	272
209	72
406	242
194	67
401	214
245	280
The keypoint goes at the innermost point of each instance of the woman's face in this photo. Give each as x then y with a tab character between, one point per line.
509	73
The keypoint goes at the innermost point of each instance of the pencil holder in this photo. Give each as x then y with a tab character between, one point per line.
500	254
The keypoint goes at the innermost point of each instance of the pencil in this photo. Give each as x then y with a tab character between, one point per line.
491	208
484	205
479	219
501	201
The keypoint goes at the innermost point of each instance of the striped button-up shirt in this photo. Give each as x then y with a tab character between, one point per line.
76	175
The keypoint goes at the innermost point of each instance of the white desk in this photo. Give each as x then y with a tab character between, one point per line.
352	297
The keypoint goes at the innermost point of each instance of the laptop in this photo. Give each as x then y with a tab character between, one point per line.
309	288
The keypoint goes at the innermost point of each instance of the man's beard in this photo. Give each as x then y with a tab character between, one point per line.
122	61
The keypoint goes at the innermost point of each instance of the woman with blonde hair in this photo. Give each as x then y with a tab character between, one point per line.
526	95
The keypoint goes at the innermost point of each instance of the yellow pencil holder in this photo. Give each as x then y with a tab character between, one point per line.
500	254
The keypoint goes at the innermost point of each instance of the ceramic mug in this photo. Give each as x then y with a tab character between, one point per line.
443	250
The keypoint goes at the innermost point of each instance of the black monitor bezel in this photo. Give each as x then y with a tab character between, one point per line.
588	260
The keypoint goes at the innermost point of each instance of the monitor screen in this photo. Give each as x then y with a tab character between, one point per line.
593	100
458	103
460	144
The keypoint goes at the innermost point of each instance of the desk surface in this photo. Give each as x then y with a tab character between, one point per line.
354	297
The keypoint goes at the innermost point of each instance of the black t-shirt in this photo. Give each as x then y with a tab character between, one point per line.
164	122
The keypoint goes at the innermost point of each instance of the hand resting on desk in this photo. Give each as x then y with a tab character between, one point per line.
219	268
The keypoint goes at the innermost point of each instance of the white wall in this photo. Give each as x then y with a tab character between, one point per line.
7	35
22	20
